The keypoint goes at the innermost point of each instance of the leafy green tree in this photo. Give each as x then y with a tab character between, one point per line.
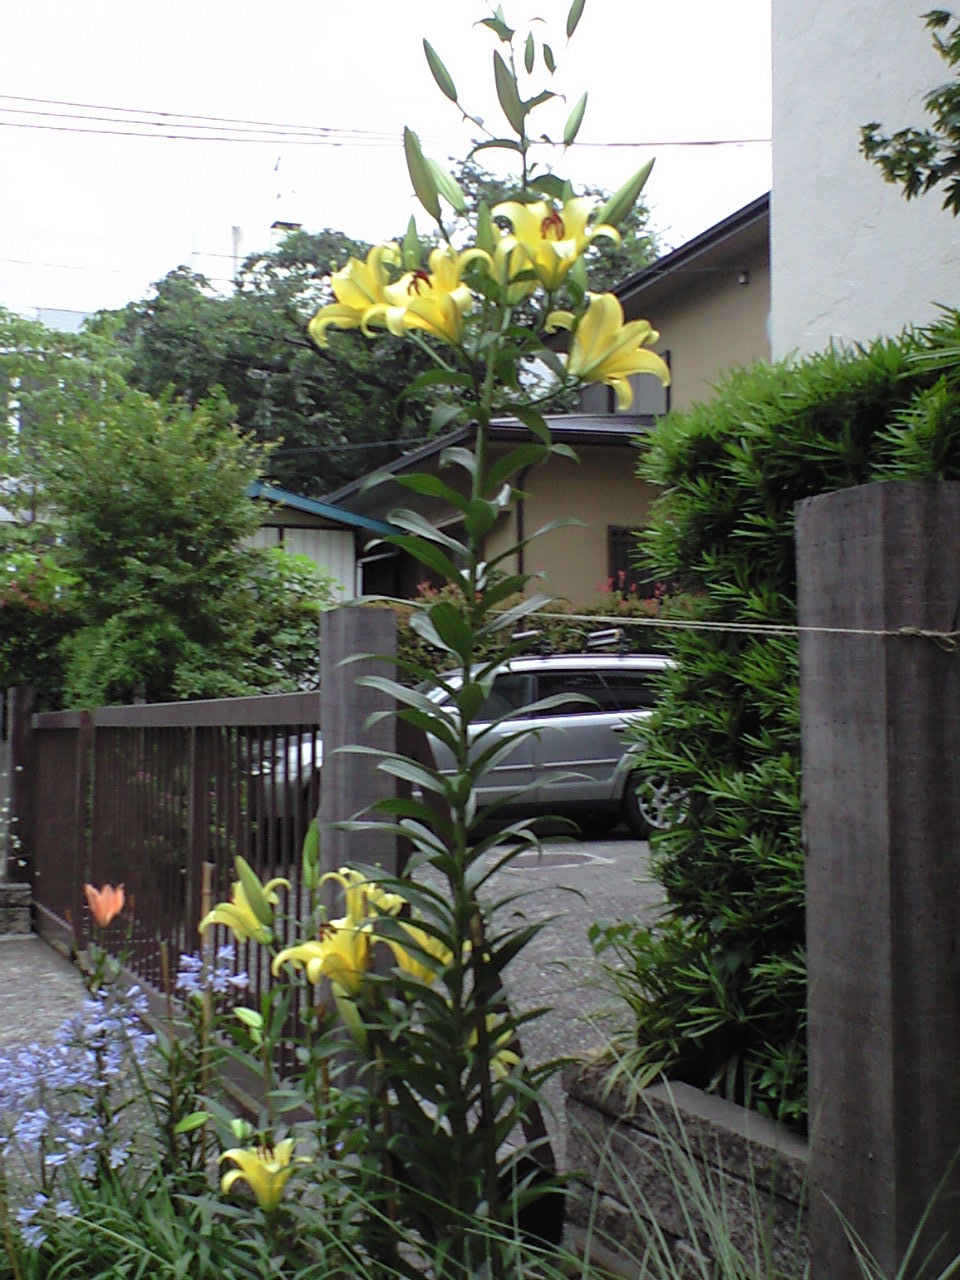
126	555
919	159
330	415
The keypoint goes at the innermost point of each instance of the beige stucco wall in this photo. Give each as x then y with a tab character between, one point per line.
601	490
713	324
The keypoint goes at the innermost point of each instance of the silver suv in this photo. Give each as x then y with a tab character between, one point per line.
574	759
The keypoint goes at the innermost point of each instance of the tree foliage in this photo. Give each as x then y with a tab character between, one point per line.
125	563
919	159
330	415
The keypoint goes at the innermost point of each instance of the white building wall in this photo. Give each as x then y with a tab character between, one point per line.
851	258
331	550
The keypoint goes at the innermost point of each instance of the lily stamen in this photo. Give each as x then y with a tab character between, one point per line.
552	227
419	277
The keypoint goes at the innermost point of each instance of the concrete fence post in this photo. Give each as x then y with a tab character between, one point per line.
352	782
881	801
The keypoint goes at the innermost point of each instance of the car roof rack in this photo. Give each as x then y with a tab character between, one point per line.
609	638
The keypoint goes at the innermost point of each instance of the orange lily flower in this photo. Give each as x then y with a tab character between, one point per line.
105	904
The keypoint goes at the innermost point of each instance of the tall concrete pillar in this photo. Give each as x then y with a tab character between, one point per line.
881	802
350	783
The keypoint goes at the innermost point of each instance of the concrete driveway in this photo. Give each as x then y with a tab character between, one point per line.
571	886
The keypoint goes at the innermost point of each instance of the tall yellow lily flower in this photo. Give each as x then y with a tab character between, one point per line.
265	1169
436	300
604	349
239	916
359	289
364	898
341	954
552	239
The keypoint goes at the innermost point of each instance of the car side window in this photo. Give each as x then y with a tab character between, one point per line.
582	684
631	690
510	691
609	690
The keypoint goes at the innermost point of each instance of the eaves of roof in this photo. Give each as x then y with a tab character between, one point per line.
315	507
722	235
569	428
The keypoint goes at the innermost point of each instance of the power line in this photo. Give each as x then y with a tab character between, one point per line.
186	127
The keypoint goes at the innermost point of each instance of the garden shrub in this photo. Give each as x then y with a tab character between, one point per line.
717	987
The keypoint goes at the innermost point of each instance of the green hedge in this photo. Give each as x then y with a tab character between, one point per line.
717	988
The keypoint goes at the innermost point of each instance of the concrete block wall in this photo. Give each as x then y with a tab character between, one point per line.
674	1163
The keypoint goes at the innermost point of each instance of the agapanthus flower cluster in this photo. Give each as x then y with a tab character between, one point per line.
31	1216
195	975
53	1096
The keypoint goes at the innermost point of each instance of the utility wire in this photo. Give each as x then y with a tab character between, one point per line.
183	126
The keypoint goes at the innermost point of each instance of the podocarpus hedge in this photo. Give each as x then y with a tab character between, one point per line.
717	989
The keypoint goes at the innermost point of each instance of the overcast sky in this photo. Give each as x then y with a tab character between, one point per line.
90	218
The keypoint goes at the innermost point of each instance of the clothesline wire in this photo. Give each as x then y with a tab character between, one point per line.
946	639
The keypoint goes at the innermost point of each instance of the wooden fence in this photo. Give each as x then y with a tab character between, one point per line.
146	795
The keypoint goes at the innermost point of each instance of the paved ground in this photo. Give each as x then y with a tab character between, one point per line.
571	885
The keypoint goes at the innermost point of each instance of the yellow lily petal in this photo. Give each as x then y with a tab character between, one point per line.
342	955
359	291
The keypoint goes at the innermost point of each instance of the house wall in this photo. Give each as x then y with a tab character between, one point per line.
331	550
714	323
601	490
852	259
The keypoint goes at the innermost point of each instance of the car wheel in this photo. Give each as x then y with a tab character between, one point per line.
652	804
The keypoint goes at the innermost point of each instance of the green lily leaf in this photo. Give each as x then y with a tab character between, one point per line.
436	377
525	455
498	24
529	52
486	236
427	554
508	94
432	486
452	628
574	15
504	144
548	59
481	516
440	73
442	415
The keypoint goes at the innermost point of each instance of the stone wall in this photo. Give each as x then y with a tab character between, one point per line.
682	1169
